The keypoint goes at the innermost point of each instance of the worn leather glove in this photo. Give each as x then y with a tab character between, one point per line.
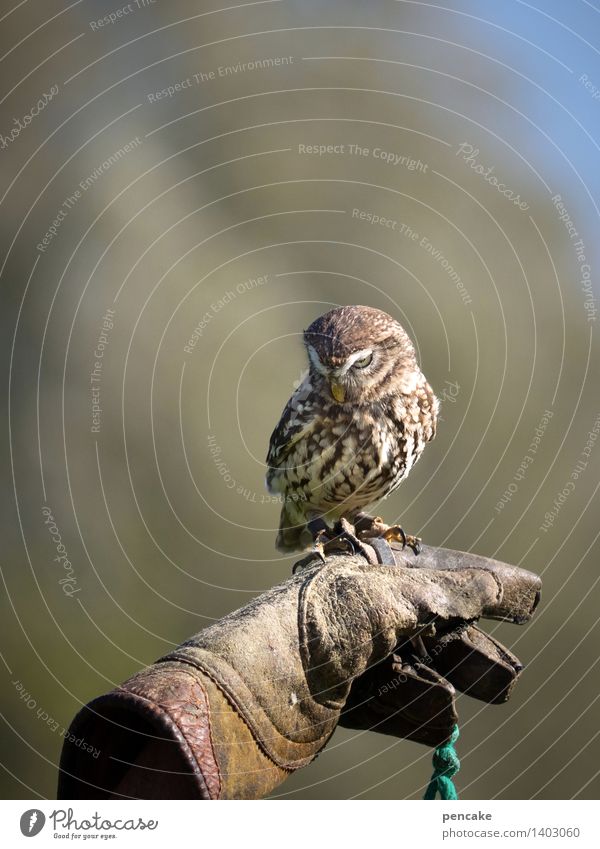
237	708
411	693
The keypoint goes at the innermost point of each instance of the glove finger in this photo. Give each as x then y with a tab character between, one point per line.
402	699
475	663
521	589
451	596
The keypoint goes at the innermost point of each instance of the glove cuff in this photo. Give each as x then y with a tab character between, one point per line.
150	734
167	733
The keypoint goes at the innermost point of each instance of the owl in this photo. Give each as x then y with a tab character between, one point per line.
352	430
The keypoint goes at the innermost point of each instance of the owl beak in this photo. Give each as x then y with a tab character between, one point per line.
338	391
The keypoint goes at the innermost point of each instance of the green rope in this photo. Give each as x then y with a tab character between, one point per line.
445	765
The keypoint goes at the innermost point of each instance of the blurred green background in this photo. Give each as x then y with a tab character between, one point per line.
192	233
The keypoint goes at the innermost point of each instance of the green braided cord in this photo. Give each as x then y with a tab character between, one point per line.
445	765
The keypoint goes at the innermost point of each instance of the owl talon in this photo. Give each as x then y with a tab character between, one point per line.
313	555
369	527
415	545
319	550
341	545
347	536
335	545
320	540
342	539
397	534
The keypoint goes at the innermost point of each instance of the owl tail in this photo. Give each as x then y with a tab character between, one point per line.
292	527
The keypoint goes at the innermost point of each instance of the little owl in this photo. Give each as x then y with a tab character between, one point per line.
352	430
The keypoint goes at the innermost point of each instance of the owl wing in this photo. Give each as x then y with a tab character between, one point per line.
296	422
430	410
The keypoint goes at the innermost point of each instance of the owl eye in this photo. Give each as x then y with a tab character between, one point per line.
363	362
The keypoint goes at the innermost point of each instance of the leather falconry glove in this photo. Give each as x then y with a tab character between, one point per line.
232	712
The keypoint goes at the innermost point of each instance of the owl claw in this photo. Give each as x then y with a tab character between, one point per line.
347	536
343	539
369	527
397	534
342	544
320	540
319	551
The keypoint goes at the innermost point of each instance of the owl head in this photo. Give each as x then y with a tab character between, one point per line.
360	354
